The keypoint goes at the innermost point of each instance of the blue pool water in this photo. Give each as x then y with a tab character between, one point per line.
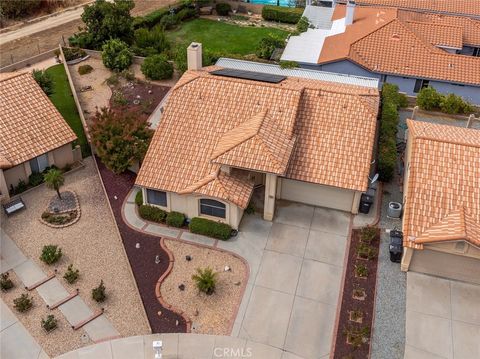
274	2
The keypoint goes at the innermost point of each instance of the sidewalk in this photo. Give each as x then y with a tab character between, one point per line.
52	292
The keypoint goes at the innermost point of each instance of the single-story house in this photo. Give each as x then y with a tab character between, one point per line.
408	48
226	131
33	134
441	221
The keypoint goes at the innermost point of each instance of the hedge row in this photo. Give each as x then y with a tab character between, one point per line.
429	99
154	18
210	228
289	15
392	100
155	214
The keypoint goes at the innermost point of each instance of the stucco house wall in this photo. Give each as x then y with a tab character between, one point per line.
189	205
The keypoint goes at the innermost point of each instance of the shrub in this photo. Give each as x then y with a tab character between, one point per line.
289	15
157	67
112	80
5	282
51	254
391	92
168	22
139	198
73	53
85	69
223	9
454	104
186	14
429	99
366	252
20	187
303	24
361	270
357	336
60	218
210	228
387	159
151	19
266	47
368	234
175	219
116	55
98	293
23	303
50	323
205	280
44	80
150	42
152	213
71	275
128	75
288	64
35	179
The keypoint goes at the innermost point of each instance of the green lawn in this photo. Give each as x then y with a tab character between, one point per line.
63	100
220	37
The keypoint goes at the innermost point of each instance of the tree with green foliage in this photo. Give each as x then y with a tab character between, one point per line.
44	80
54	180
150	42
14	9
267	45
105	20
157	67
429	99
206	280
121	139
116	55
303	24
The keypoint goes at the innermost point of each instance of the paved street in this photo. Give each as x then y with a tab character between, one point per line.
443	318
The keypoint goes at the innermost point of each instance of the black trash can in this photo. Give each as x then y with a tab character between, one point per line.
366	201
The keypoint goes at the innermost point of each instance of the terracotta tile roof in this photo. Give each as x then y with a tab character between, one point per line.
438	34
257	145
249	123
30	125
462	7
4	163
393	46
443	193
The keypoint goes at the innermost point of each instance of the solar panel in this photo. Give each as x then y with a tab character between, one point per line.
249	75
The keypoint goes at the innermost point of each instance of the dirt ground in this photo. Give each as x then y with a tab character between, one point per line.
29	46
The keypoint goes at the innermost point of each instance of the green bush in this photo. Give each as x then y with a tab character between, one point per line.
19	188
391	93
289	15
387	159
23	303
151	19
366	252
51	254
35	179
150	42
288	64
85	69
139	198
73	53
116	55
368	234
152	213
186	14
303	24
44	80
210	228
266	47
98	293
71	275
168	22
454	104
5	282
206	280
223	9
50	323
429	99
157	67
175	219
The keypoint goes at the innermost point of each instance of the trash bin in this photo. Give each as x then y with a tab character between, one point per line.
366	201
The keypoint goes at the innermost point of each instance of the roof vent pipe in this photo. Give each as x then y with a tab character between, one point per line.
350	12
194	56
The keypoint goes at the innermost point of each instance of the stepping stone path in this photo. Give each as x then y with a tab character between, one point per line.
75	310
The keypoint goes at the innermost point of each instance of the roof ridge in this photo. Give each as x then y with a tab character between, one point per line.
432	23
270	154
201	182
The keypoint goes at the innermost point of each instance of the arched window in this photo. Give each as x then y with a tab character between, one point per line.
210	207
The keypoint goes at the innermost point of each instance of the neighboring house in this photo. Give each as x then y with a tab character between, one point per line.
441	221
33	134
407	48
222	135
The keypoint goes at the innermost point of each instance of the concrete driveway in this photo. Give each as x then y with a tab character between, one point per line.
443	318
296	266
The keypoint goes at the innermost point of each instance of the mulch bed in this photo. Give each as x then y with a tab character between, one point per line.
142	260
342	348
142	98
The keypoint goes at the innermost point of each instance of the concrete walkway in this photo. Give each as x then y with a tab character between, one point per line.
52	291
443	318
296	267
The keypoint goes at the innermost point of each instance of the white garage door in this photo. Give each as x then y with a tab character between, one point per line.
446	265
317	195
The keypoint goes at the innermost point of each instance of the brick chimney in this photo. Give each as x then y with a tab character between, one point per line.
194	56
350	12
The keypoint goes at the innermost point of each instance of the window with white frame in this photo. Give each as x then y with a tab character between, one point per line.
158	198
213	208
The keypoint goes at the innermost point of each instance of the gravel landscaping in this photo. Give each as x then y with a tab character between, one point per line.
92	245
210	314
142	259
66	203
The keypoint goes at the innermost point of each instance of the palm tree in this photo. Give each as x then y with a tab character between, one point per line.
205	280
54	180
